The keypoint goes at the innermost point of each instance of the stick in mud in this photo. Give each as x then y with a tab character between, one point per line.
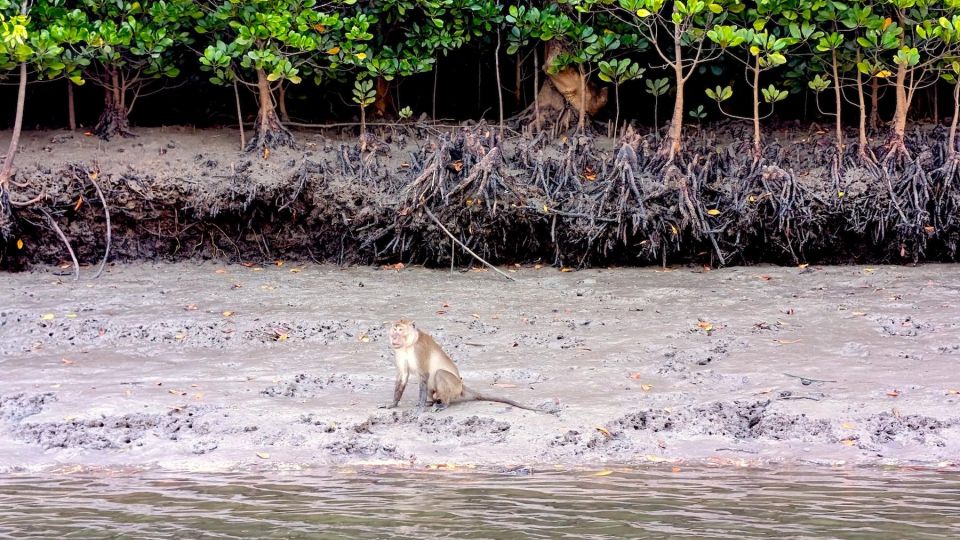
461	244
106	213
63	238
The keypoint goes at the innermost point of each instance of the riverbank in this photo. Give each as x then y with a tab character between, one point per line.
175	194
203	366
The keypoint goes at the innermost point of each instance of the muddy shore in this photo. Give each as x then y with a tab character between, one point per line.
204	366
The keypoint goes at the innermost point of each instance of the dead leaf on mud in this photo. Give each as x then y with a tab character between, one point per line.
786	341
605	431
705	326
19	243
280	335
46	317
296	270
398	267
190	307
177	392
893	393
766	390
848	425
66	361
263	455
364	339
607	472
952	392
848	442
655	459
646	387
566	269
478	269
504	385
227	313
635	375
220	271
765	277
279	263
248	264
675	469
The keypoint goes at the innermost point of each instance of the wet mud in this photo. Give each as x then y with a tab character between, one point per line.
216	367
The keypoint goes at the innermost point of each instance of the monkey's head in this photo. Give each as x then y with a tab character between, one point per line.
403	333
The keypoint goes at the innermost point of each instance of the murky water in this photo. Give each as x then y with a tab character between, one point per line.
654	503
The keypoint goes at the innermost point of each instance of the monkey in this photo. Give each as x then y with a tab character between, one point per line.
440	382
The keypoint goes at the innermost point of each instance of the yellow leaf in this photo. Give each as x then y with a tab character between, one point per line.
868	270
848	425
603	473
71	315
884	74
655	459
266	153
752	198
278	262
705	326
334	50
673	229
296	270
566	269
47	317
364	339
646	387
361	56
546	209
953	392
605	431
847	442
227	313
19	243
804	265
713	212
263	455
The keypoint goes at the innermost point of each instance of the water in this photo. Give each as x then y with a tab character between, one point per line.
647	503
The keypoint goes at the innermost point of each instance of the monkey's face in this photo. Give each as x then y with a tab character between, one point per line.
402	334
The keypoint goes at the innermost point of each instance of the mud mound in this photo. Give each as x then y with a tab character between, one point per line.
886	427
16	407
304	386
115	432
903	326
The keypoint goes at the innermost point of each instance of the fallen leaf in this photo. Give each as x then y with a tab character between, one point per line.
364	338
566	269
248	264
266	153
646	387
177	392
227	313
457	165
55	386
46	317
705	326
263	455
929	229
19	243
952	392
767	390
765	278
66	361
296	270
713	212
786	341
475	316
278	262
398	267
70	315
602	473
180	336
893	393
847	442
504	385
190	307
220	271
868	270
804	265
675	469
605	431
655	459
635	375
848	425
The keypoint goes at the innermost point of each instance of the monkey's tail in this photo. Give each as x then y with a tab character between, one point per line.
473	395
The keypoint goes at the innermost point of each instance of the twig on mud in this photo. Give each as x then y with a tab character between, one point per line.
21	204
744	450
106	213
807	380
461	244
63	238
786	398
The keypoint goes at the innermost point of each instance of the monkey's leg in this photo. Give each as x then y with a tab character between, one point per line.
399	386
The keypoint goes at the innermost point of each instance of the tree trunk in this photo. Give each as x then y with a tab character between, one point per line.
383	102
672	142
838	100
113	120
952	139
518	85
757	147
268	132
7	171
899	124
862	125
71	110
874	103
616	118
282	102
496	64
574	85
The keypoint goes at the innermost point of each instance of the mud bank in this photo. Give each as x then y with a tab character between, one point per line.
176	194
210	367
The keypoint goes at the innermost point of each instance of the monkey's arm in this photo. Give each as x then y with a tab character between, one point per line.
424	378
399	386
